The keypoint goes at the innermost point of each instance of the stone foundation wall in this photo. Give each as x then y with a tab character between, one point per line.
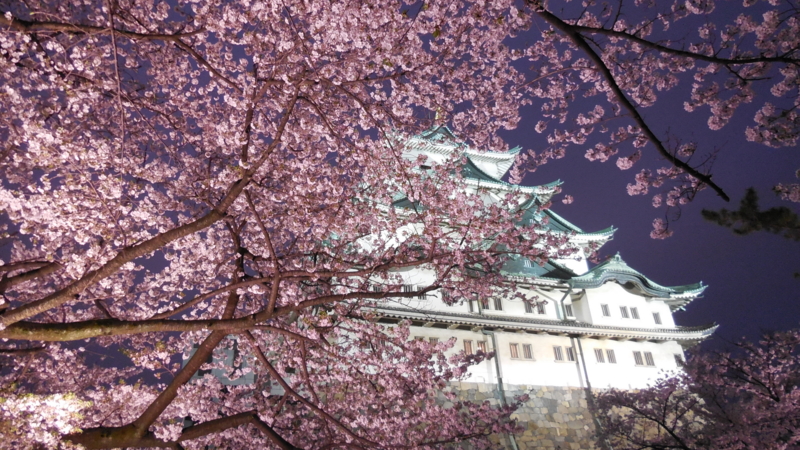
555	418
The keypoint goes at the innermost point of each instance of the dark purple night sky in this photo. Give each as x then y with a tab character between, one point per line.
751	284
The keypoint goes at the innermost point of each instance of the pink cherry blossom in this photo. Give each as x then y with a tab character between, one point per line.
743	399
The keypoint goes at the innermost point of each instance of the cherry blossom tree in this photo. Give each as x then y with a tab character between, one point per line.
203	175
186	177
746	399
598	67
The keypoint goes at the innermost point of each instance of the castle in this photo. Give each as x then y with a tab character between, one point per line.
599	327
608	326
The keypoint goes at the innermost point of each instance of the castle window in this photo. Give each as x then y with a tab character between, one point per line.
637	358
527	352
657	318
634	313
648	358
598	354
413	288
498	304
468	347
612	358
678	359
528	307
433	340
514	350
559	354
485	303
540	308
419	338
570	354
606	313
482	346
624	311
473	306
568	310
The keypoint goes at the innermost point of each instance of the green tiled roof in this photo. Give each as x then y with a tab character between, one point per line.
616	269
523	267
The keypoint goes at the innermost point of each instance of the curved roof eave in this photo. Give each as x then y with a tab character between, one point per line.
567	327
615	269
602	235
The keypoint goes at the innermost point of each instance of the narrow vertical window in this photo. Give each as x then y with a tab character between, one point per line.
637	358
678	359
648	358
612	358
598	354
624	311
514	350
433	340
498	304
634	312
472	306
485	303
568	310
657	318
482	346
468	347
527	352
540	308
528	307
559	354
571	354
606	313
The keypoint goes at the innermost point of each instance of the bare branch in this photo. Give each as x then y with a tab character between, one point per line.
581	43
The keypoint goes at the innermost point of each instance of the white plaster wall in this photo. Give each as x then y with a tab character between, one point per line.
657	305
544	370
615	296
587	305
577	263
625	374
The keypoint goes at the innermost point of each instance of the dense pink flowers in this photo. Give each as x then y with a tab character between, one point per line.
181	175
748	398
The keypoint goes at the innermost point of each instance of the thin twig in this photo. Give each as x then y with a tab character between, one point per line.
116	72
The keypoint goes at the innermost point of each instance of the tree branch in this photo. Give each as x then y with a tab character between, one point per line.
275	374
41	27
581	43
43	269
685	53
74	331
130	253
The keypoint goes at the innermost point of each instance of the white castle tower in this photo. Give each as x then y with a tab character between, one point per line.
599	327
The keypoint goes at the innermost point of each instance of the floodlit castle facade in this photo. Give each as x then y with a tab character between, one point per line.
591	327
